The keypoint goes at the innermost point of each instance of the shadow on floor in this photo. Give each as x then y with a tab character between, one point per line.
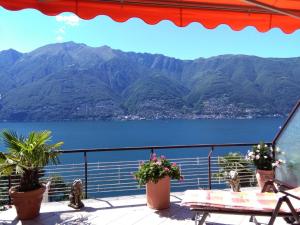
176	212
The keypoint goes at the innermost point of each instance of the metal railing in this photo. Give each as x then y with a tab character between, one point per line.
101	178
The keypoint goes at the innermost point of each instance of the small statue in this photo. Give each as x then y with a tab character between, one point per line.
75	195
234	181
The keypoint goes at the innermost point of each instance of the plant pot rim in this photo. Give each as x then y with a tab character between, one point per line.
165	177
259	170
14	193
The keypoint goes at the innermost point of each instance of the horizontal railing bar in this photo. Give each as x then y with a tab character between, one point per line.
159	147
124	190
225	180
57	192
100	163
79	176
116	168
125	177
136	184
186	163
66	171
113	188
66	165
136	165
112	173
96	190
59	195
194	170
66	181
204	158
113	184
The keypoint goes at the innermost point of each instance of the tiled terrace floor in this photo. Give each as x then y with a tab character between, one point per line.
127	210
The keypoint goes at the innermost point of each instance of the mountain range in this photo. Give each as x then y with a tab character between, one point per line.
70	81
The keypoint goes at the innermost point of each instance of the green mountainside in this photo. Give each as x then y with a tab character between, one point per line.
70	81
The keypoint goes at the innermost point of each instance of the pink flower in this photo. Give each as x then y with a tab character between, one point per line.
174	164
154	158
162	157
166	169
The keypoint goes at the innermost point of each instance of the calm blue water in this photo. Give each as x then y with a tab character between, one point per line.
99	134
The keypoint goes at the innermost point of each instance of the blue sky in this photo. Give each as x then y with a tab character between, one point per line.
29	29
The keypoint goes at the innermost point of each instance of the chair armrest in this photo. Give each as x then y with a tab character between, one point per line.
291	195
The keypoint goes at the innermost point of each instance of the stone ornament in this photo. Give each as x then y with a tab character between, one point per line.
234	181
75	195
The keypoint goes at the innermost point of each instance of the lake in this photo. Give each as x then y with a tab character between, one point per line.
100	134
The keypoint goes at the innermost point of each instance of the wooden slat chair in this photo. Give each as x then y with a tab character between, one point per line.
281	202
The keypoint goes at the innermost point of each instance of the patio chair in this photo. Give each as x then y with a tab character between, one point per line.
283	203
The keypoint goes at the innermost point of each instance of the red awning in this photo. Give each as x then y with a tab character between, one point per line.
262	14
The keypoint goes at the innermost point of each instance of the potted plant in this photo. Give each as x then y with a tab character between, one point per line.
262	157
26	157
156	175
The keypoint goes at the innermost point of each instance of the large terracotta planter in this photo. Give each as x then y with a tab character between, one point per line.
158	195
263	176
28	203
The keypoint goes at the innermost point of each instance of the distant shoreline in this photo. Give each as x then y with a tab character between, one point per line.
146	119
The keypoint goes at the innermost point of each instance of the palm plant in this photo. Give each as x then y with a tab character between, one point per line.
27	156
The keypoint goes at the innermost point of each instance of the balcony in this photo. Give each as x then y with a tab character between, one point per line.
127	203
125	210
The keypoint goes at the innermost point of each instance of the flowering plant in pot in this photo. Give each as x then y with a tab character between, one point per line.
156	175
26	158
262	157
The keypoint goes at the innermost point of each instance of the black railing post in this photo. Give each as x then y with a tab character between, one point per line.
85	174
209	167
273	146
152	152
9	186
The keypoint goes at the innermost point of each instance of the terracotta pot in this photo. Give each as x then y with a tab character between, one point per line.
158	195
28	203
263	176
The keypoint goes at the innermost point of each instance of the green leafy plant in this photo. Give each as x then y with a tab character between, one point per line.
262	157
157	168
26	157
235	161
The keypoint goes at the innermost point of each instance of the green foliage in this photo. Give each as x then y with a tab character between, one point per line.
262	156
59	190
157	88
27	157
155	169
235	161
